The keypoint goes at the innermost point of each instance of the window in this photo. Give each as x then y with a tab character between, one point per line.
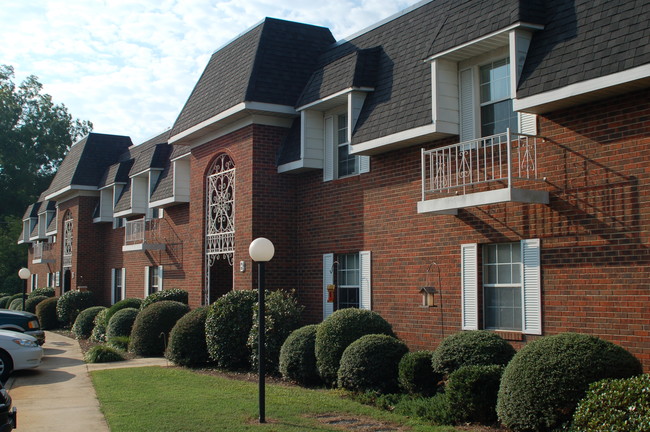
50	280
338	160
349	275
119	284
347	164
34	281
348	278
502	302
118	222
153	279
497	114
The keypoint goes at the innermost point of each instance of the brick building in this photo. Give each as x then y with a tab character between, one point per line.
451	168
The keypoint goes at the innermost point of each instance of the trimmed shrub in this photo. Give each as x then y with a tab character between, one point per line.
123	304
4	301
415	374
45	291
371	363
119	342
282	316
46	313
152	326
467	348
338	331
472	393
14	297
85	322
103	354
99	330
615	405
227	327
17	304
298	356
543	383
71	303
32	302
121	323
177	295
187	345
434	409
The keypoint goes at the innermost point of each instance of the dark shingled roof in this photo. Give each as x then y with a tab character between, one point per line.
116	173
586	39
270	63
124	201
52	226
32	211
180	150
165	186
290	149
85	163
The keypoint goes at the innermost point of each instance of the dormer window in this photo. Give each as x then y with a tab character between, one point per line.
497	114
347	164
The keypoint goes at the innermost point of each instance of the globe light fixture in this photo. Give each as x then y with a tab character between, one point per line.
24	274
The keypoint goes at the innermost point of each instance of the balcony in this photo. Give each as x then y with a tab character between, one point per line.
489	170
142	234
42	253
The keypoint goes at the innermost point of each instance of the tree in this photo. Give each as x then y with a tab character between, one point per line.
35	135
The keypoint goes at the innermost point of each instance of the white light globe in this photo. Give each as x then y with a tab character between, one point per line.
24	273
261	250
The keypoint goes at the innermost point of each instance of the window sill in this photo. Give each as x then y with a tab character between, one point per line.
510	335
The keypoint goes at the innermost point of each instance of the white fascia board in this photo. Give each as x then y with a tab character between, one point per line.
111	185
300	165
581	88
183	156
145	172
166	202
70	189
237	109
397	140
503	31
334	96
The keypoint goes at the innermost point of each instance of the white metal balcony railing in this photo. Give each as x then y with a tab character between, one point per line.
143	232
40	248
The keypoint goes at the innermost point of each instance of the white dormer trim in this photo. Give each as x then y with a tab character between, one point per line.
321	104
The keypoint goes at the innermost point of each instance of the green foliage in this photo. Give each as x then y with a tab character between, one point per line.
32	302
187	345
416	375
227	327
434	409
123	304
152	326
178	295
3	302
298	356
71	303
338	331
15	297
544	382
99	330
16	304
85	322
119	342
477	347
472	393
621	405
121	323
282	316
371	363
46	313
45	291
103	354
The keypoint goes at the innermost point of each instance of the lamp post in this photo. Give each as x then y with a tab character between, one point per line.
24	274
261	251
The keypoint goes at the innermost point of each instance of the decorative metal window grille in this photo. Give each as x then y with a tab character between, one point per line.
67	240
220	215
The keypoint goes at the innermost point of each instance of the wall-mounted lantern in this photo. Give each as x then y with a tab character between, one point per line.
428	299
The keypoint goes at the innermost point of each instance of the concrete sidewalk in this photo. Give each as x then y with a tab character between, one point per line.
59	395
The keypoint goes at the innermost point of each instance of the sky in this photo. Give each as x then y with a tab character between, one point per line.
129	66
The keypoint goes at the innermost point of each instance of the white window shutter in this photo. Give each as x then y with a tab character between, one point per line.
113	287
527	123
364	164
160	278
123	283
532	286
328	278
469	286
467	121
57	279
146	281
365	288
328	167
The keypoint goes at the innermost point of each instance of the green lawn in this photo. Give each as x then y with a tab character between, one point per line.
171	399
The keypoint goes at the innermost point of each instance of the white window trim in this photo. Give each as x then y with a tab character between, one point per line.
330	132
122	272
365	281
146	279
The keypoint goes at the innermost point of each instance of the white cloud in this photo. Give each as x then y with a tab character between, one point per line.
129	66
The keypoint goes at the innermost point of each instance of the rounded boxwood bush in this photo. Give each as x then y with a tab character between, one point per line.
476	347
621	405
543	383
282	316
85	322
17	304
99	330
4	302
123	304
103	354
472	393
371	363
45	291
32	302
227	327
46	313
71	303
178	295
152	326
187	345
298	356
121	323
14	297
119	342
338	331
415	374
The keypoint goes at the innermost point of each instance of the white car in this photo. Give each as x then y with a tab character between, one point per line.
18	351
